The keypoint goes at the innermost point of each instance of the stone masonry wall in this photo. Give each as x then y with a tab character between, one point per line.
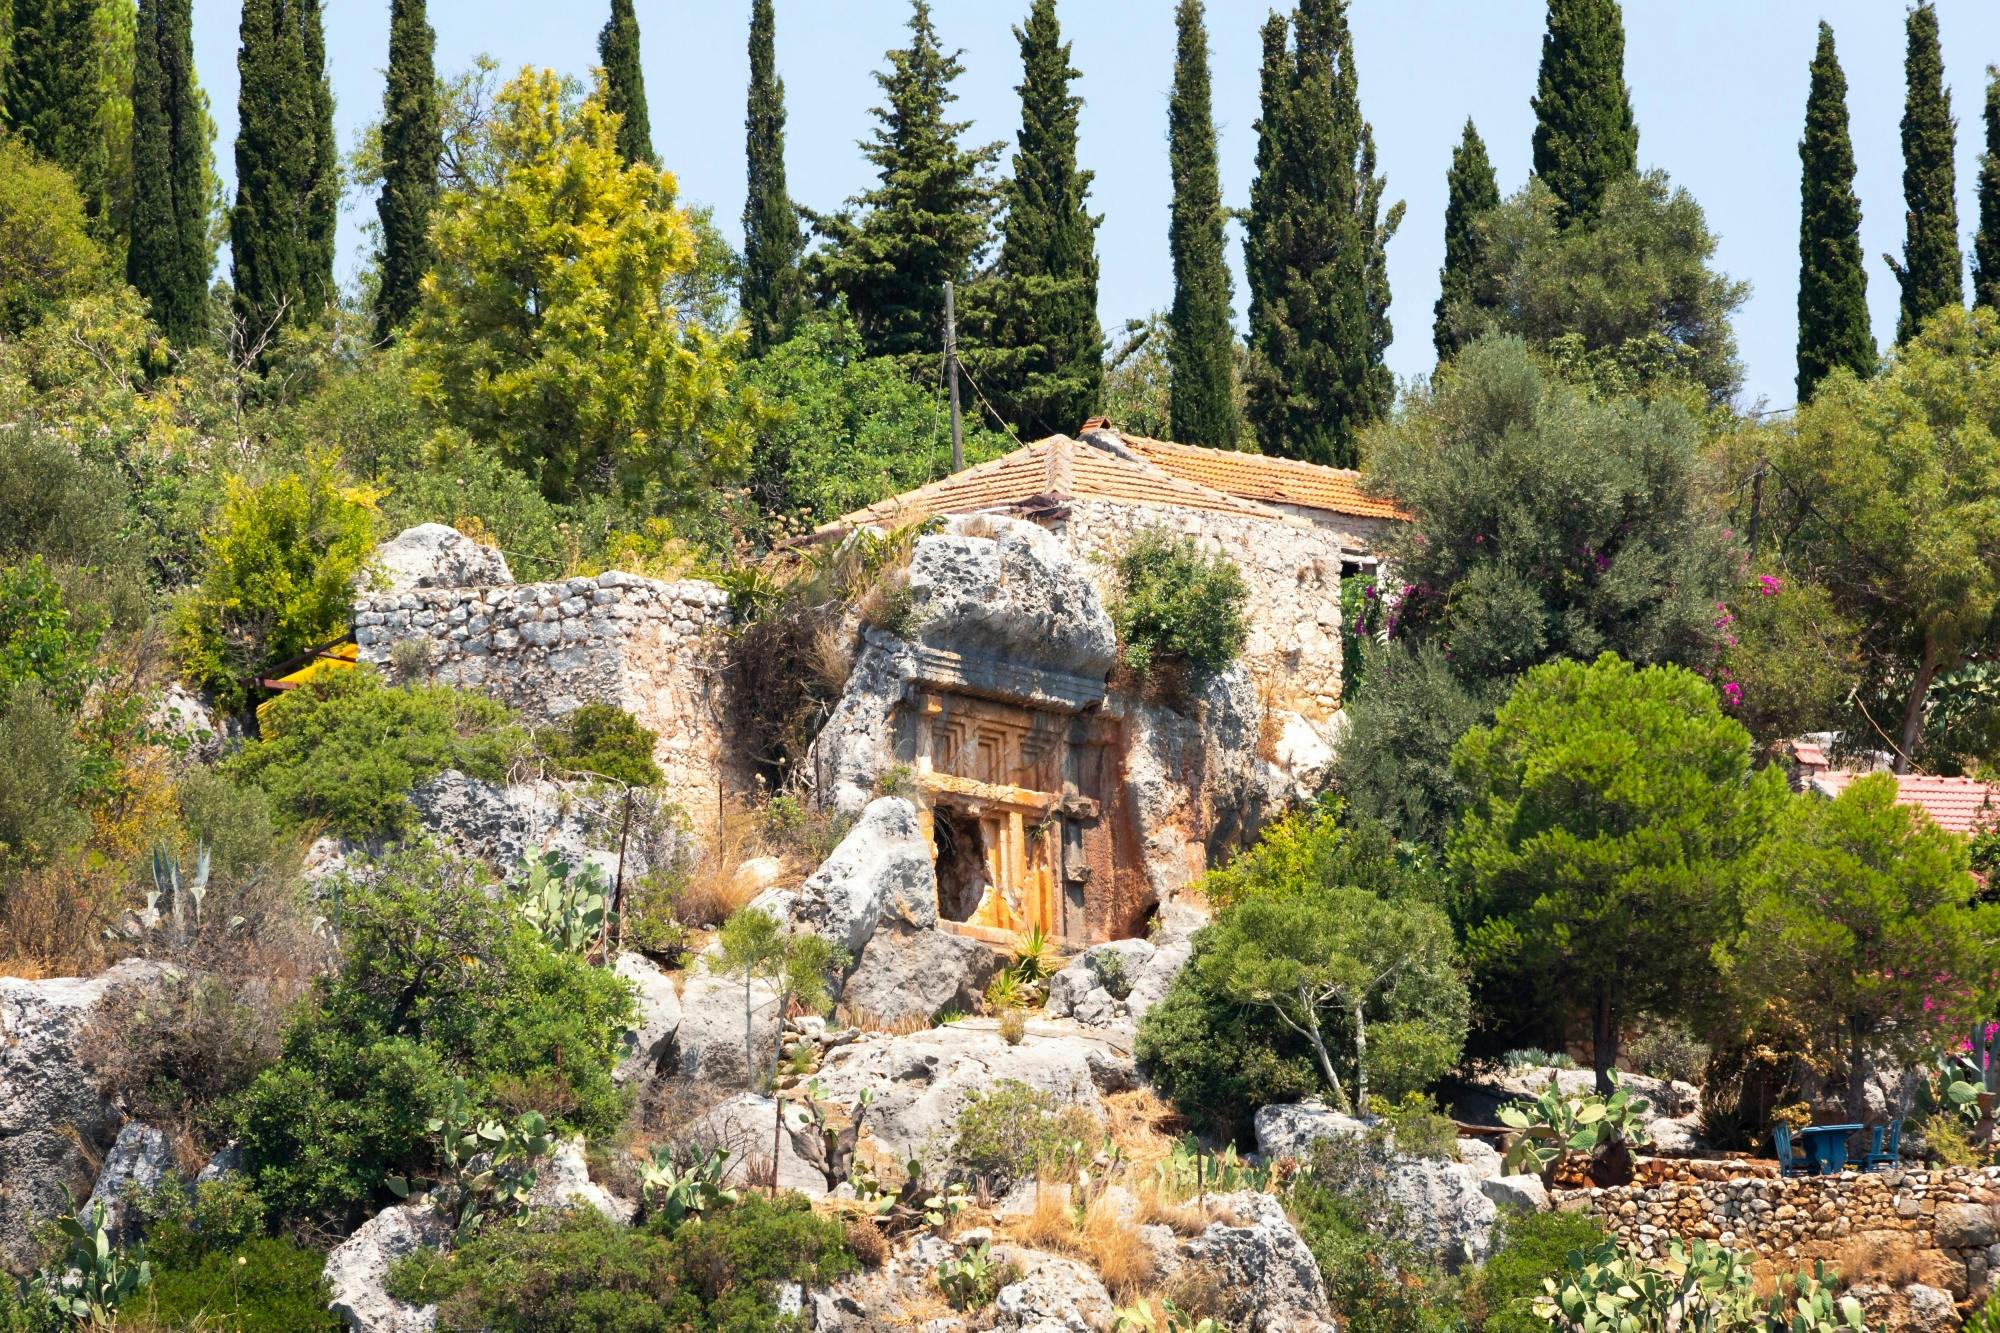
1293	576
1946	1221
650	647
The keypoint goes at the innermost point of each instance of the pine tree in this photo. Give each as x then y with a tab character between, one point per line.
412	143
52	96
1318	248
1201	344
1471	189
1932	269
927	220
1584	133
773	242
169	255
625	82
287	173
1986	247
1833	285
1043	352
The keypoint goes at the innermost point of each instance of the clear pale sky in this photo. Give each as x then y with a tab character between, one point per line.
1718	87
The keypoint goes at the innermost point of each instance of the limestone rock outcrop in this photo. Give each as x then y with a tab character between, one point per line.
139	1159
914	975
647	1046
54	1121
432	555
357	1270
880	870
1261	1267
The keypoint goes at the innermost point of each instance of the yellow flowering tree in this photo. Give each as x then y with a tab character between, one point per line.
548	326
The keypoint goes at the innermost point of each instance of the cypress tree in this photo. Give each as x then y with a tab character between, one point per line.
1932	270
922	226
625	82
1471	188
169	256
1045	349
1584	133
412	143
1261	270
52	95
1201	345
1320	287
287	181
773	294
1833	285
1986	247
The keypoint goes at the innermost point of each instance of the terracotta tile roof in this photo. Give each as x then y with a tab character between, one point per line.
1958	804
1054	470
1261	477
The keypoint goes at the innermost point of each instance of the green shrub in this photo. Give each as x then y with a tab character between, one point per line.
586	1275
53	503
1527	1247
259	1286
1376	1281
1668	1049
606	741
1178	605
1417	1126
280	565
1009	1133
39	783
436	981
1218	1061
346	749
43	644
183	1227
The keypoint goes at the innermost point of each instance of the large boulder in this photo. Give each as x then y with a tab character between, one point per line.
139	1159
54	1121
648	1045
1290	1129
357	1270
708	1045
432	555
881	870
1261	1267
914	975
1440	1209
1052	1295
923	1082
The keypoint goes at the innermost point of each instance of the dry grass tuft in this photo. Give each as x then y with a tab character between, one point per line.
867	1242
1154	1208
900	1027
53	918
1144	1126
1103	1238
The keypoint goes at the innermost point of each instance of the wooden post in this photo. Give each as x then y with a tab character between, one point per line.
951	376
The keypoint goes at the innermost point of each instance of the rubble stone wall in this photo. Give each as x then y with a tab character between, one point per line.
1946	1222
650	647
1293	576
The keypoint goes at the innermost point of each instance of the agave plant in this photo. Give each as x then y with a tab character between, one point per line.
1555	1125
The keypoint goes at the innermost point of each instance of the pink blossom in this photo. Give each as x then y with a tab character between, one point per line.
1732	694
1770	584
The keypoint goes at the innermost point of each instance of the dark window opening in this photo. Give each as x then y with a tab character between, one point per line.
961	863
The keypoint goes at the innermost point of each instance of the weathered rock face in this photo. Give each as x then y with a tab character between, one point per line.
1262	1268
648	1046
909	975
1290	1129
192	728
139	1159
922	1082
357	1270
563	1181
432	555
881	870
53	1120
1053	1295
502	825
708	1045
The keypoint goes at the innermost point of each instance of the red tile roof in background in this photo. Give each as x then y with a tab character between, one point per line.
1262	477
1958	804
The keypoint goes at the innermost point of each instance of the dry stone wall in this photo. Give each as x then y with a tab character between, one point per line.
1293	575
1945	1223
650	647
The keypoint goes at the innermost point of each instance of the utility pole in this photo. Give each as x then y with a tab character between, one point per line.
951	375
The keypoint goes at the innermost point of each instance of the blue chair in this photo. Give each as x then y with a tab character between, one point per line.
1880	1157
1789	1162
